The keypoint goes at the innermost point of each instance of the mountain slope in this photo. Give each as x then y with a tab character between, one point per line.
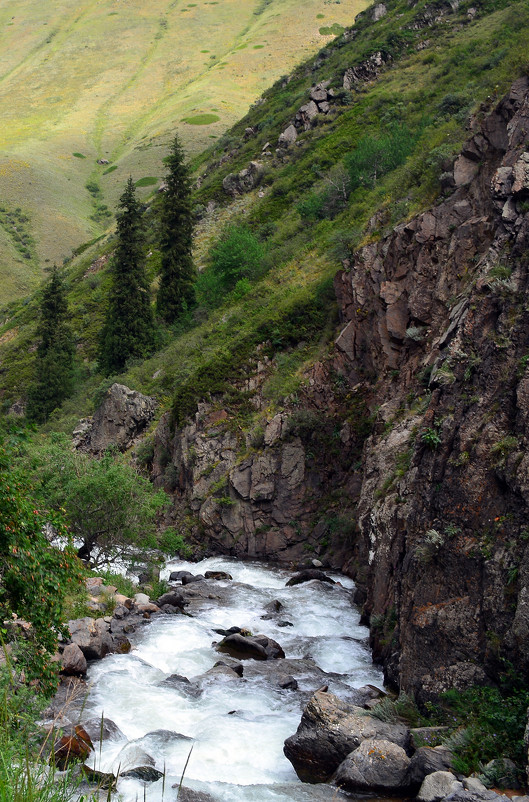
107	80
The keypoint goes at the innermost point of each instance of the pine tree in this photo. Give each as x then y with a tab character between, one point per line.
177	273
54	366
128	330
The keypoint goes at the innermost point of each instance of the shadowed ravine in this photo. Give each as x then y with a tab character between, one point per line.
236	726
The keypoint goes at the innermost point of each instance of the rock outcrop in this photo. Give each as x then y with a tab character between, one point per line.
118	422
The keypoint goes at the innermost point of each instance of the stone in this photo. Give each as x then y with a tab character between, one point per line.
104	780
329	731
102	729
287	682
188	580
376	765
73	661
189	795
119	420
318	93
288	137
173	599
438	785
426	760
71	747
243	648
379	11
308	575
141	598
148	774
218	575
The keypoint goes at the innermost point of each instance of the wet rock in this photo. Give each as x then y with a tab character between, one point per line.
189	795
73	661
188	580
376	765
329	730
287	682
308	575
176	576
71	747
148	774
217	575
243	648
237	667
102	729
438	785
100	778
181	684
220	670
173	599
272	648
274	606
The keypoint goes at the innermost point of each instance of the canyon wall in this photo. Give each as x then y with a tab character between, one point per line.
403	459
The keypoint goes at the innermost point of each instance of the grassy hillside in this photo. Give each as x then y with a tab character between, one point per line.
315	203
101	79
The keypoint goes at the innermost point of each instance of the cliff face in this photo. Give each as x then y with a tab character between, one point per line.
429	513
437	312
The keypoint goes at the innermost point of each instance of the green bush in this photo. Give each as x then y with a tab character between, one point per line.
375	156
237	255
108	505
493	720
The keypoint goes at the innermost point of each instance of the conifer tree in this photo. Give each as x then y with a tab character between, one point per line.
54	365
128	330
177	273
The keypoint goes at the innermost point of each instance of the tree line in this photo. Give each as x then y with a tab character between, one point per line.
128	329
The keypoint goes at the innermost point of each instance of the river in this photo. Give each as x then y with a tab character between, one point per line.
236	727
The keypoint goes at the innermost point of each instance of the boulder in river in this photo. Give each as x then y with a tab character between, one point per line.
177	576
329	731
101	729
189	579
307	575
376	765
256	647
172	598
242	647
70	746
73	661
219	575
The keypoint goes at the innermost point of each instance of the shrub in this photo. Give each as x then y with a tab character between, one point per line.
237	255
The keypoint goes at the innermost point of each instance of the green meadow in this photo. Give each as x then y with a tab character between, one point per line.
104	79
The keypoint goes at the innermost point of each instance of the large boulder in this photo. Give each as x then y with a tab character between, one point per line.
245	647
438	785
426	760
73	661
172	598
376	765
329	730
119	420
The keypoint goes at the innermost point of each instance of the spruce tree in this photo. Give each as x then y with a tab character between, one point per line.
128	330
177	273
54	365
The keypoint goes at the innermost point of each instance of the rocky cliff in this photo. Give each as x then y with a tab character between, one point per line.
403	458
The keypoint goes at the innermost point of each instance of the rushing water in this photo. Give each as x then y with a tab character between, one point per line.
236	727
